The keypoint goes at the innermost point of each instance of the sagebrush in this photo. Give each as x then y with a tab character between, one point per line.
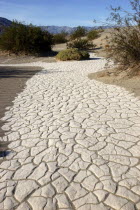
72	54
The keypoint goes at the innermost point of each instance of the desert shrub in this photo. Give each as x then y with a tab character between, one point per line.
78	33
60	38
72	54
125	44
81	44
94	34
20	38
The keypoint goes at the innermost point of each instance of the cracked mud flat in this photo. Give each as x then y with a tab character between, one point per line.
75	143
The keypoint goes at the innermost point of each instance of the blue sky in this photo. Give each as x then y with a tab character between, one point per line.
58	12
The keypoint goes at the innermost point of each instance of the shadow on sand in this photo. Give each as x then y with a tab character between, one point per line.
17	72
94	59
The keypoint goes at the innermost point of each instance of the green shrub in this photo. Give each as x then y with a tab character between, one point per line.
78	33
81	44
60	38
72	54
20	38
93	35
125	43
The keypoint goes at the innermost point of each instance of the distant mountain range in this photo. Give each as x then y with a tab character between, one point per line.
59	29
52	29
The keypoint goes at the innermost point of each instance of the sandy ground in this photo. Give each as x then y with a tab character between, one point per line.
104	38
102	42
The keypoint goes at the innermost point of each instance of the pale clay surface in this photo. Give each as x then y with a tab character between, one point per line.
74	143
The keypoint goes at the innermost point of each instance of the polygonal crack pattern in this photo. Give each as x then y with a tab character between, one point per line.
74	143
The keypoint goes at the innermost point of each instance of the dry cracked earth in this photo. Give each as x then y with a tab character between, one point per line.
74	143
